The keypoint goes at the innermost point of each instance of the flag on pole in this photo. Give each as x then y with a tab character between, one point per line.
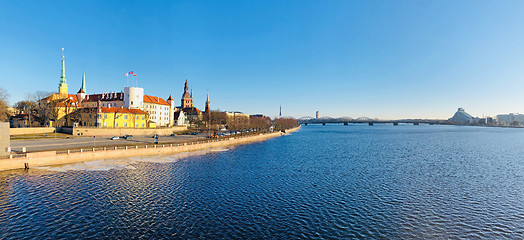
134	74
131	73
126	74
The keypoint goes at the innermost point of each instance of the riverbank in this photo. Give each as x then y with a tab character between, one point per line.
49	158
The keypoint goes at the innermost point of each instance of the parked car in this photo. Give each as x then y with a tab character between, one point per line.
115	137
173	134
194	133
128	136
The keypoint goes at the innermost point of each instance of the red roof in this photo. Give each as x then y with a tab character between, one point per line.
73	101
155	100
121	110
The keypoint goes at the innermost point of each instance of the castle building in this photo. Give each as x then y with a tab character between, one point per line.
82	109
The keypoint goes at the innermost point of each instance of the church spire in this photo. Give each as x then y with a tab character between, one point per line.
62	87
84	81
208	104
62	76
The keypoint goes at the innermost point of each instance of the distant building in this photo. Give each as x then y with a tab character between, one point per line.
22	120
316	115
461	117
513	119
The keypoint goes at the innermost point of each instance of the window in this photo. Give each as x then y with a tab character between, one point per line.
125	124
143	118
136	117
116	124
142	124
125	117
105	116
131	102
136	124
105	124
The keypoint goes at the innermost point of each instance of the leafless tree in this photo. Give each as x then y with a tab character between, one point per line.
285	123
4	105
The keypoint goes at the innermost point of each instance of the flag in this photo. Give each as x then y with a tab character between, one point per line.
126	74
131	73
134	74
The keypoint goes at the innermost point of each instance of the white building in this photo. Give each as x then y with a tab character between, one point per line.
180	119
160	111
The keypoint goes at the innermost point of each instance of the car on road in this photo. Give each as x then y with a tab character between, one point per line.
115	137
155	136
173	134
128	137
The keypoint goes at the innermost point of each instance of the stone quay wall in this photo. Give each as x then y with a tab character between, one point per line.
30	130
48	158
4	138
81	131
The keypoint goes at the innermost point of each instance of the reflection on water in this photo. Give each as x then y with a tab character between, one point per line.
356	181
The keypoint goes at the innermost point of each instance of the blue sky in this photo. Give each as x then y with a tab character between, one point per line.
384	59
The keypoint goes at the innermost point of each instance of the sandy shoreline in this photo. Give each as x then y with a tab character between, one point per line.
50	158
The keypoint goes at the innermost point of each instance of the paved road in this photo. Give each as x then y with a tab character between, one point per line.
78	142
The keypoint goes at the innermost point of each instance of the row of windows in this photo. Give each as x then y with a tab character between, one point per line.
125	117
125	124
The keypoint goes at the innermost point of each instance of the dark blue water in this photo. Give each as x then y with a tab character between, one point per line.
357	181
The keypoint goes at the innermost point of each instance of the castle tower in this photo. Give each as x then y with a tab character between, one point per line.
171	110
62	87
208	104
187	100
81	94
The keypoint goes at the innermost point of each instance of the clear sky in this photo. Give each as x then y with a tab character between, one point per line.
385	59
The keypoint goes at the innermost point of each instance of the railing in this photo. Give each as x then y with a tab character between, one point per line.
144	146
15	155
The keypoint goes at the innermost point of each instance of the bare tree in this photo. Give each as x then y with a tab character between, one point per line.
45	108
285	123
4	105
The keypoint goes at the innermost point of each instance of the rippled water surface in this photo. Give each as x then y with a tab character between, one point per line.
333	181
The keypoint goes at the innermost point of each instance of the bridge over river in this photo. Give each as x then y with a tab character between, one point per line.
372	121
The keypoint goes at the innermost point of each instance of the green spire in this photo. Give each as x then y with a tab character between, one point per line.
63	77
84	81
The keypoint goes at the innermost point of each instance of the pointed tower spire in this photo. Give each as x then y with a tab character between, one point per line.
280	110
208	104
62	87
63	76
84	81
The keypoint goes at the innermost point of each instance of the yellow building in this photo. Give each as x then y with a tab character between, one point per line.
122	118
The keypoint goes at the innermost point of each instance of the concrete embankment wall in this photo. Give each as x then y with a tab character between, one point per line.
39	159
31	130
80	131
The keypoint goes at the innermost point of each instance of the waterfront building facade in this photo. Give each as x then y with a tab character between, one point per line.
158	109
121	118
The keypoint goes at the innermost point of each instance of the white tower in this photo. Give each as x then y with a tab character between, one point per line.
133	97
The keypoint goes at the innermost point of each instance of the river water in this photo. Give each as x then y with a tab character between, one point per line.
334	182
